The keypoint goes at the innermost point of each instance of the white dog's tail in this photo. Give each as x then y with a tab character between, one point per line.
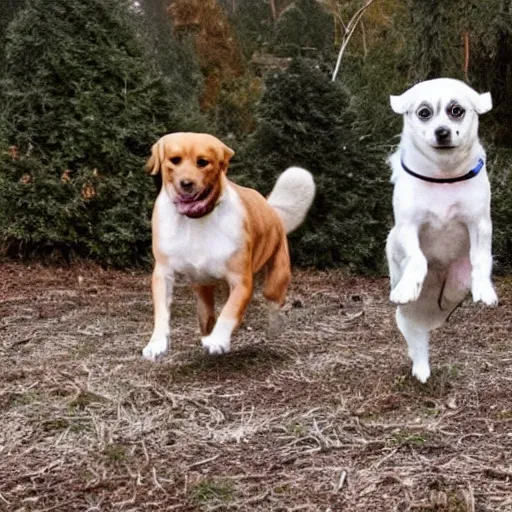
292	196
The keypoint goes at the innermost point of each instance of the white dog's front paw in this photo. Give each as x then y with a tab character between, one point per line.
483	291
216	344
156	347
409	287
407	290
421	371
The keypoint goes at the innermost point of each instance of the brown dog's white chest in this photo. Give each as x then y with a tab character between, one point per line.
199	249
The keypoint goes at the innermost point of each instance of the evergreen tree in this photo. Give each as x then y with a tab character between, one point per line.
82	106
252	22
468	40
306	120
500	174
8	8
304	24
175	58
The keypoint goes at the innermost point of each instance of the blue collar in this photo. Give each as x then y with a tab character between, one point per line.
471	174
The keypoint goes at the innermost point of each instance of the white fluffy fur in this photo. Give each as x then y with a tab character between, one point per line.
292	196
440	246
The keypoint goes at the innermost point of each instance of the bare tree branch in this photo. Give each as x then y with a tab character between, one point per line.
350	28
363	33
274	10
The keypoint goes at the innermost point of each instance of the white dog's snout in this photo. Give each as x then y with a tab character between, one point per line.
443	133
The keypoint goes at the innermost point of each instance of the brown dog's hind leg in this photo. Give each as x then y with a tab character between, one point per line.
205	308
277	279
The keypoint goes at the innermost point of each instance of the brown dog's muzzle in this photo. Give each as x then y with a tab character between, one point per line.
199	204
187	187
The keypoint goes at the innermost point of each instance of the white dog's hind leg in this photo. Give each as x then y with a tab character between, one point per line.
457	284
417	341
480	235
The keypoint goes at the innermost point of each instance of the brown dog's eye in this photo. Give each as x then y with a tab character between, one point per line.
201	162
176	160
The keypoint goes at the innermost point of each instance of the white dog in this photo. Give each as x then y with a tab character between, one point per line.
440	246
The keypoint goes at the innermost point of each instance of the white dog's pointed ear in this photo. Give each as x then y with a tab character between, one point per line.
484	103
399	103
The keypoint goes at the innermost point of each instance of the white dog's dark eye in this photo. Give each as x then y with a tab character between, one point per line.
176	160
456	111
424	113
202	162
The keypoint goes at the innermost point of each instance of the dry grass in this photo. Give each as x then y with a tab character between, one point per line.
324	417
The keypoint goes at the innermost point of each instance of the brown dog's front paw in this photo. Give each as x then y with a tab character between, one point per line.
155	348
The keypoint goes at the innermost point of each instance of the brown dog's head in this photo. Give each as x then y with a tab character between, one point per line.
191	165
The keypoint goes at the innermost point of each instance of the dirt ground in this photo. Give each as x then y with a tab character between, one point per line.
325	417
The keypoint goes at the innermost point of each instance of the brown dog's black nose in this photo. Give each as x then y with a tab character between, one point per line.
442	134
187	186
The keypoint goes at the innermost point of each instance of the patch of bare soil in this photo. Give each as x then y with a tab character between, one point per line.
325	417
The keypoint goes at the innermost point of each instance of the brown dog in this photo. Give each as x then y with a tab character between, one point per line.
209	229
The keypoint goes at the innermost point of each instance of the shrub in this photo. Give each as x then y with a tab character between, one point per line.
305	119
500	173
83	106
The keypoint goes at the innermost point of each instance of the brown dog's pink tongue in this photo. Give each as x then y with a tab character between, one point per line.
196	209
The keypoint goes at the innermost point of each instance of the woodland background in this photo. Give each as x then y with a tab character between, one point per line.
87	86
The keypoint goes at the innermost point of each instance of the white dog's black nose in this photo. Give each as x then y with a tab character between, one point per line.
442	134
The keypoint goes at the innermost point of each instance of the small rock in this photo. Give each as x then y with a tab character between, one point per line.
451	403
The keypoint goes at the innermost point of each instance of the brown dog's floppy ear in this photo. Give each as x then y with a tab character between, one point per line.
227	156
155	160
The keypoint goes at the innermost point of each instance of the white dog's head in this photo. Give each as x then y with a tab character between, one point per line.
441	115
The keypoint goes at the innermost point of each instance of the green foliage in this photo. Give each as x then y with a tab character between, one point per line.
304	24
210	491
373	78
90	85
426	40
234	112
436	48
438	28
174	57
306	120
82	106
252	22
8	8
500	172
